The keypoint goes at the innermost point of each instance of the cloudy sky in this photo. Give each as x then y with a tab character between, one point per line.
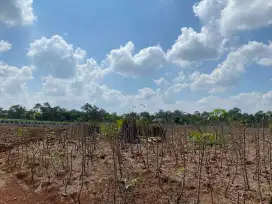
164	54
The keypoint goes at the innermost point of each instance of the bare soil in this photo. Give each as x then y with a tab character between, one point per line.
44	166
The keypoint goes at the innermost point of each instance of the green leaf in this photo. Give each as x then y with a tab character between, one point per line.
20	132
119	123
181	169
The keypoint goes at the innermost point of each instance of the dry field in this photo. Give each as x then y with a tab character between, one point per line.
54	165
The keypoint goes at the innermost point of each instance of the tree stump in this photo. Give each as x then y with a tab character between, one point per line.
157	131
143	130
129	132
93	128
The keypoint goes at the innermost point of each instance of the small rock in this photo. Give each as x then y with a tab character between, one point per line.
39	174
22	174
61	173
213	158
45	184
248	162
266	172
164	178
74	194
102	156
52	189
69	182
64	194
190	187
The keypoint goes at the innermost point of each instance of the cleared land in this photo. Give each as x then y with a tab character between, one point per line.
73	165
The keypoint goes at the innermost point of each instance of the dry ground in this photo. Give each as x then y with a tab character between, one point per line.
49	166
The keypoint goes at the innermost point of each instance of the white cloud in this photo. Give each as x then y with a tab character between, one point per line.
12	78
56	56
209	11
145	93
248	102
228	72
232	16
69	78
168	90
5	46
265	61
91	71
175	88
145	62
180	78
16	12
73	93
245	15
193	47
218	90
56	87
161	82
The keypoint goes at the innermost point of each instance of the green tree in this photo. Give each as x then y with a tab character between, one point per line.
16	112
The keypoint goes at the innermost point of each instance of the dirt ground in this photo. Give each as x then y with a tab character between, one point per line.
35	170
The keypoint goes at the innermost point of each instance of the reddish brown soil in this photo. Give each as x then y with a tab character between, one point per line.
28	183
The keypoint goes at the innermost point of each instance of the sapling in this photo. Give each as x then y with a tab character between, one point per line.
258	165
244	158
201	156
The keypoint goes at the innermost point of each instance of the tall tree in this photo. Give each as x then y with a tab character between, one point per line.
16	112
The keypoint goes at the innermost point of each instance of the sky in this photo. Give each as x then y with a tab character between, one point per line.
137	55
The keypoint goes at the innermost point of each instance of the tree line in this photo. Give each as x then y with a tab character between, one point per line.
91	113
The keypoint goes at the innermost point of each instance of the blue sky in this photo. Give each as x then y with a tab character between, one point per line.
165	54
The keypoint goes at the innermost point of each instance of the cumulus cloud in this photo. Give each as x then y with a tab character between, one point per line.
56	87
17	12
70	80
55	56
161	82
220	20
245	15
193	47
145	62
182	77
12	78
248	102
67	74
91	70
71	93
230	70
234	15
176	88
5	46
145	93
209	11
265	61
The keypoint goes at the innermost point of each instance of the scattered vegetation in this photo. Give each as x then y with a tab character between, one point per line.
216	157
